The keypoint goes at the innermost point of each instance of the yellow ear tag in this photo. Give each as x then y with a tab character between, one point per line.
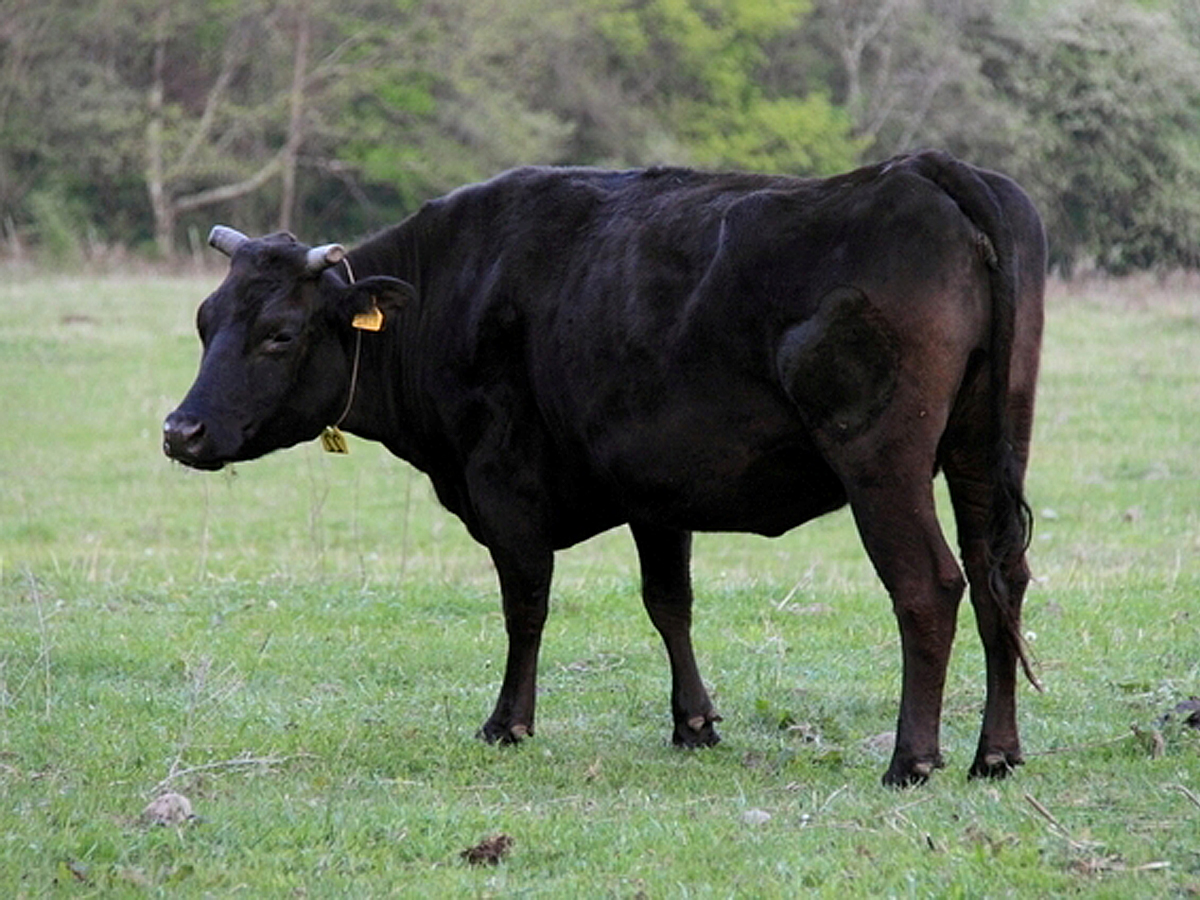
371	320
333	441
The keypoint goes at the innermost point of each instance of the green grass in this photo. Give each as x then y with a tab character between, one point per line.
305	649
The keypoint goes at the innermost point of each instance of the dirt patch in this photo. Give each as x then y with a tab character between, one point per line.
489	851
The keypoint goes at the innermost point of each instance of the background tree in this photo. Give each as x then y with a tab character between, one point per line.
908	72
68	120
253	93
136	123
1109	101
196	132
702	68
1091	104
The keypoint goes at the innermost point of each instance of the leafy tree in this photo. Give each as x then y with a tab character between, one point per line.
133	122
907	71
272	88
1109	95
68	156
1091	104
699	64
458	103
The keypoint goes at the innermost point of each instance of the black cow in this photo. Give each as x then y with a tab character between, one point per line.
566	350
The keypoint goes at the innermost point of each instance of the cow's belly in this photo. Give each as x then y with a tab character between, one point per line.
703	479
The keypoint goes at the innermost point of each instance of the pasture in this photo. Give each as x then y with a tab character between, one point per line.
305	647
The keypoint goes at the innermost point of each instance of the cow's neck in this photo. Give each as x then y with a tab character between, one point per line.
384	404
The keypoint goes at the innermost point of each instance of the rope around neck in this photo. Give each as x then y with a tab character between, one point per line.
357	354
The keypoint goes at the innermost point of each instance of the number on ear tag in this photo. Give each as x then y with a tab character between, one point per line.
333	441
371	320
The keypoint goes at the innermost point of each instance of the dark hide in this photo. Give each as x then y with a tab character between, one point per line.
567	350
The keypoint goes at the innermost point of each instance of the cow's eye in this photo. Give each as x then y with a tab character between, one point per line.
278	341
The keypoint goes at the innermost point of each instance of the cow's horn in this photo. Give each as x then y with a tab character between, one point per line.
318	259
225	239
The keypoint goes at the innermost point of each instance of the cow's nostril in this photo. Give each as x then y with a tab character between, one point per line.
182	436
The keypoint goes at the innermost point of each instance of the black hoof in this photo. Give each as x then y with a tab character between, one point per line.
696	732
499	733
911	773
995	765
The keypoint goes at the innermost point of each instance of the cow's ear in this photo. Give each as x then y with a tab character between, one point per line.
372	300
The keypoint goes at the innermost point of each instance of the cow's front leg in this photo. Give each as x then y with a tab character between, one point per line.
525	588
665	556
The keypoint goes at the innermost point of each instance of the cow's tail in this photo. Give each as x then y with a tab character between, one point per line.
1010	521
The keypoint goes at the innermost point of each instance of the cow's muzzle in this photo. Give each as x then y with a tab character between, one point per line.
186	440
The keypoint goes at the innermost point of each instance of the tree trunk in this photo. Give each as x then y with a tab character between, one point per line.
160	201
295	138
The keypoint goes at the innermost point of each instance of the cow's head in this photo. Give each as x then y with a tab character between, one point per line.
278	349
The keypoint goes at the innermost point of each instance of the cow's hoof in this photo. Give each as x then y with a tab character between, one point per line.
995	764
696	732
501	733
911	773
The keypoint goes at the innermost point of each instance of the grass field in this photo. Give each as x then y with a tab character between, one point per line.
306	647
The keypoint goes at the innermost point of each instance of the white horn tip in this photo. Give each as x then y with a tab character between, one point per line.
321	258
226	239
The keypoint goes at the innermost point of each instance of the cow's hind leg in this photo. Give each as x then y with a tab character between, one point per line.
900	531
879	432
997	618
665	556
525	589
